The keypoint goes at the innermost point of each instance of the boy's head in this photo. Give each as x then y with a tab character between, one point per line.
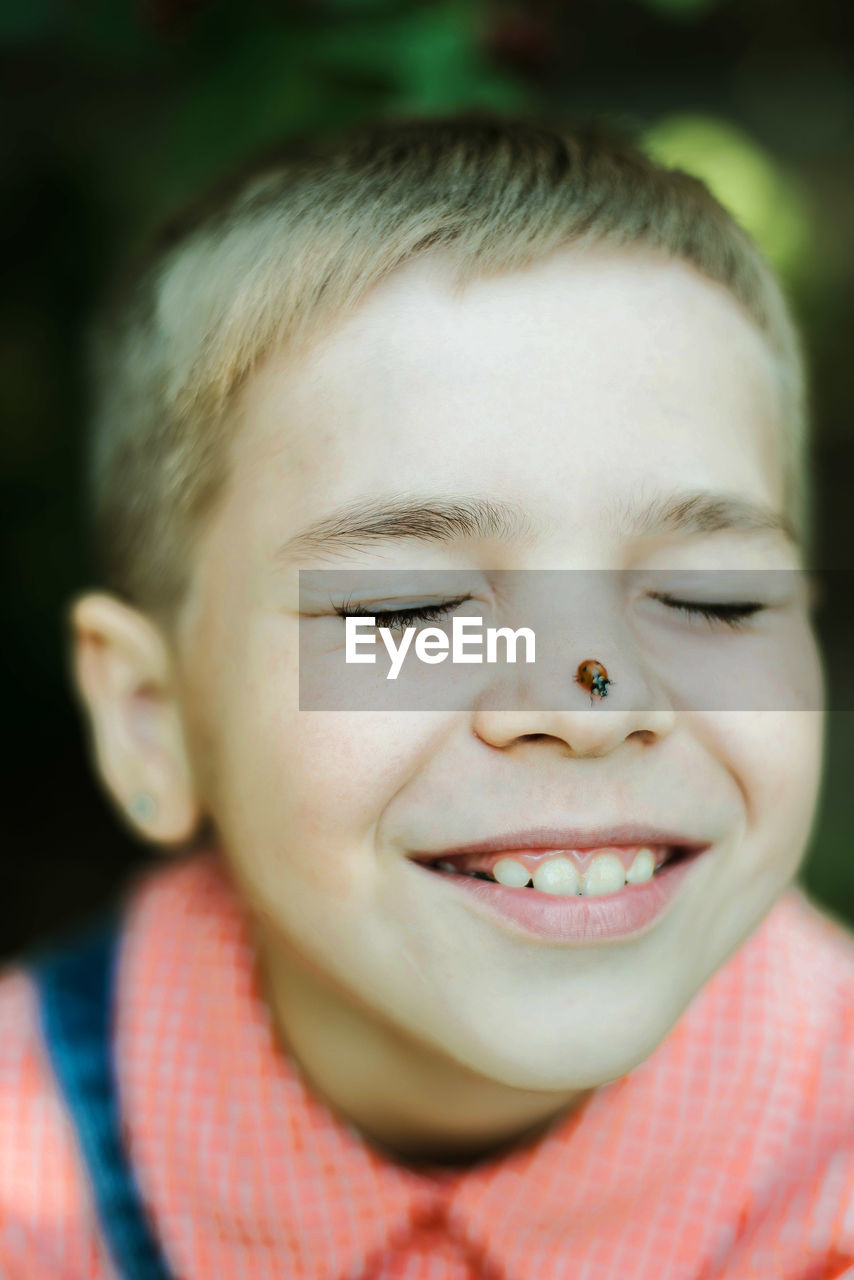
449	313
287	248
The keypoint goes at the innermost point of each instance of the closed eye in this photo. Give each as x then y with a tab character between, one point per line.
731	614
400	619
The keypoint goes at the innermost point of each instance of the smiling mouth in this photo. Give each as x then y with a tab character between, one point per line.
564	872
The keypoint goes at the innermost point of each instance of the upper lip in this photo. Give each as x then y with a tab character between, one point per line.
557	837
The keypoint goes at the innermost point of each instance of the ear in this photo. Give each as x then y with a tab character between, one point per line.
123	676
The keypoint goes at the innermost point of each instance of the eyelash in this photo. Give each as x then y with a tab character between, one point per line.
731	615
403	618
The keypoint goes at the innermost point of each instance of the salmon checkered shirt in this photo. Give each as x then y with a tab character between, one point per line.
727	1154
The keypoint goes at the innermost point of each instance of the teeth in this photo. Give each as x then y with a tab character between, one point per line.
509	872
557	875
605	874
642	868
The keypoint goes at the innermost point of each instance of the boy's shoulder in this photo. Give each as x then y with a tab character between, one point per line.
782	1010
779	1025
817	949
48	1225
48	1218
799	966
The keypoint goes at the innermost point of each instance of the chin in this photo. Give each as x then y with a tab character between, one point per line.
562	1064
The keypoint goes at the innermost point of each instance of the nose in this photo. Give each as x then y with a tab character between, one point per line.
580	723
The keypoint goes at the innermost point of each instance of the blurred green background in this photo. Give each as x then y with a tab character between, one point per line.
115	111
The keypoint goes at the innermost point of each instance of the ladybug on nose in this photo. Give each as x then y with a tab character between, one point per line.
593	677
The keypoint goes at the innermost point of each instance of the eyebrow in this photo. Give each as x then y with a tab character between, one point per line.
422	519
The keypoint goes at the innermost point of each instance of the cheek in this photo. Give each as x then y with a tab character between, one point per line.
305	791
775	757
340	769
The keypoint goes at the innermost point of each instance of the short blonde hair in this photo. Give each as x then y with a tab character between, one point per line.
296	239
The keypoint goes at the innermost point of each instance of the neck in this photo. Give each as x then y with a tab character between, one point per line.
404	1097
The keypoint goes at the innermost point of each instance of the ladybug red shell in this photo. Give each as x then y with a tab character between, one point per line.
593	677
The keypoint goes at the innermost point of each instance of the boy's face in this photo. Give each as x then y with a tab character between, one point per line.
567	389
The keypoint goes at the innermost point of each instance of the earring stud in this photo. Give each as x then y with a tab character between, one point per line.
143	806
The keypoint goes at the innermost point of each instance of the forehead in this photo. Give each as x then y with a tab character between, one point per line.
568	382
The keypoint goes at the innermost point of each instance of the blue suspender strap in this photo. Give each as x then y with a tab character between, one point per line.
75	981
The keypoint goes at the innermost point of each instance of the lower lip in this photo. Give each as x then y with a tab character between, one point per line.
628	913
